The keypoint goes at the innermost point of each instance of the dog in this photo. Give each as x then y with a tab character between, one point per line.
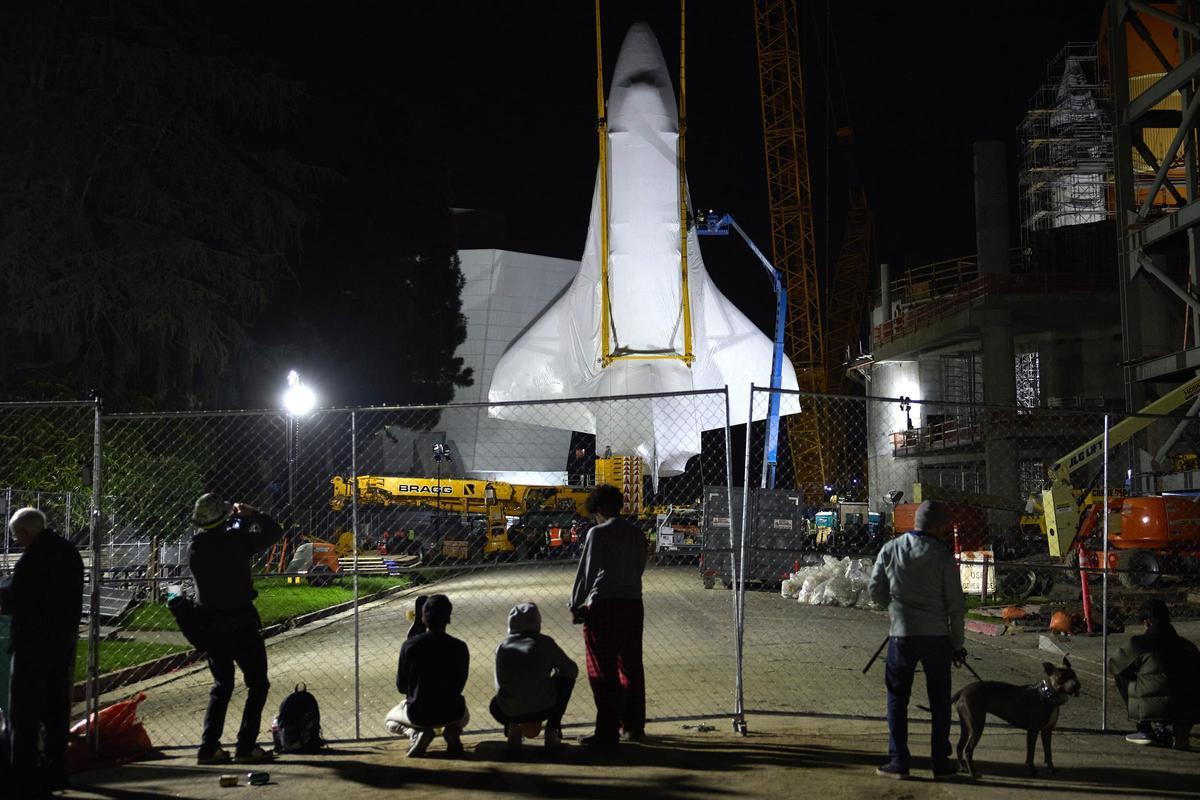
1032	708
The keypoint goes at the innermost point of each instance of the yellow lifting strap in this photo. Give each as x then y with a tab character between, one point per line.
602	132
607	356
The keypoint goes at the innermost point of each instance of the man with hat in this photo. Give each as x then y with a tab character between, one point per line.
220	557
916	580
44	599
1156	674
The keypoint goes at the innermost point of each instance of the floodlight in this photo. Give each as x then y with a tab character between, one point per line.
299	399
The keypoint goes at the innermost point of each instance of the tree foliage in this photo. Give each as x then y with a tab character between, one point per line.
147	208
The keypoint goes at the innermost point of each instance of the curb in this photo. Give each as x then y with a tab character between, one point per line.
159	666
986	628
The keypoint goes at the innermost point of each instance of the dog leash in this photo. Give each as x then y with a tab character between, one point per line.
884	643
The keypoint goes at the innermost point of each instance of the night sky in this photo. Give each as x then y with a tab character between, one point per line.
502	93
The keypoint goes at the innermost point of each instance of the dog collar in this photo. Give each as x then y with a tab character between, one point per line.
1046	693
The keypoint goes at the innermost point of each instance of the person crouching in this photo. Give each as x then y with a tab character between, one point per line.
534	680
431	675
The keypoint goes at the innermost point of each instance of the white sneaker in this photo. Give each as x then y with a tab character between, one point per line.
553	738
1137	737
420	742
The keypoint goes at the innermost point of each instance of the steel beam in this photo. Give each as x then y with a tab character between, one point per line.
1160	90
1165	16
1165	227
1189	115
1170	364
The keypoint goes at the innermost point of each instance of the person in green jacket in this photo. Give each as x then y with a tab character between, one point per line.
1156	675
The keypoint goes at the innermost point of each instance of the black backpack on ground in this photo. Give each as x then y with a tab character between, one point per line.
297	728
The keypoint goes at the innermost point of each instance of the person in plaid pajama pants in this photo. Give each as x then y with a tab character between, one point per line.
607	599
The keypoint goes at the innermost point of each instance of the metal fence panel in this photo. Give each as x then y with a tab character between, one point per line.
804	651
383	504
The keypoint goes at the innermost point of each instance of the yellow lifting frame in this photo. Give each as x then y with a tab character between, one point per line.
607	356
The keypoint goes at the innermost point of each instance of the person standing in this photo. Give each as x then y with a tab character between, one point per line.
1156	675
534	679
916	579
220	558
431	674
607	599
44	600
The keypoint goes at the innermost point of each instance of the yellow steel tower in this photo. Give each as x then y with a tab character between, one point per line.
785	140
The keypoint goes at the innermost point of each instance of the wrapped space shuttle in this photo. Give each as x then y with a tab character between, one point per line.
656	342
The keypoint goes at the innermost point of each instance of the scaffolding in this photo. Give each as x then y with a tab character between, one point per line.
1066	145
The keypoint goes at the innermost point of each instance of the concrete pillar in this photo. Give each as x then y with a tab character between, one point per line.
991	207
1001	455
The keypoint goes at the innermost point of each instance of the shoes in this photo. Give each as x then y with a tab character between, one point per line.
1141	737
421	737
218	756
1182	743
515	735
453	736
595	742
632	736
946	773
553	738
893	771
255	755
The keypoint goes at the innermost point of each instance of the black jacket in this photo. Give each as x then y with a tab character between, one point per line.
431	674
45	597
221	561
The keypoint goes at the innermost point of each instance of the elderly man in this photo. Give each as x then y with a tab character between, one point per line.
44	600
916	579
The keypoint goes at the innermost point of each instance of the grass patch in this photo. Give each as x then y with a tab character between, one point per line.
118	654
277	601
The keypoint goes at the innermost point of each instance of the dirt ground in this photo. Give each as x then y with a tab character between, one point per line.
782	757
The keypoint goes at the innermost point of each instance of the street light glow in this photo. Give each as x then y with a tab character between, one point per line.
299	399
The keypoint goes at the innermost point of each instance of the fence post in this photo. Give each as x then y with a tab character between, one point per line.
92	695
739	711
7	517
1104	598
354	534
738	571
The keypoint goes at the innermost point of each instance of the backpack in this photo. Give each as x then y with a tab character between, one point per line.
297	728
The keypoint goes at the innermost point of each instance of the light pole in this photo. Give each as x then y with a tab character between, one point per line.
298	400
440	453
710	224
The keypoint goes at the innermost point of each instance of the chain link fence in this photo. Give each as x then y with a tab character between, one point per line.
482	503
47	453
485	504
809	627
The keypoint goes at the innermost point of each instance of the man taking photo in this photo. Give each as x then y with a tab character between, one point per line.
220	558
916	579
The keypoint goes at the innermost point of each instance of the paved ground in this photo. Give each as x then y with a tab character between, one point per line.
797	658
782	757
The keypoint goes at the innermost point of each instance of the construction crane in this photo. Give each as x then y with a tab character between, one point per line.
793	241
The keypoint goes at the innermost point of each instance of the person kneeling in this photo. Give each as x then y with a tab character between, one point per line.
431	675
534	680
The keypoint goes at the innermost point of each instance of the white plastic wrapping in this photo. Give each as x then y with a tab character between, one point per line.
833	582
559	355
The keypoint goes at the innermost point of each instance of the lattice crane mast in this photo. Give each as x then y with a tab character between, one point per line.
793	242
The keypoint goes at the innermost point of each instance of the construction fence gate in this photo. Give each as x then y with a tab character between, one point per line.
755	588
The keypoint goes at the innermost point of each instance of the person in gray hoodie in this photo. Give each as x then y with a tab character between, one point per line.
916	580
534	679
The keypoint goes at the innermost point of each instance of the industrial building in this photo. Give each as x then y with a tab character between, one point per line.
1092	307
